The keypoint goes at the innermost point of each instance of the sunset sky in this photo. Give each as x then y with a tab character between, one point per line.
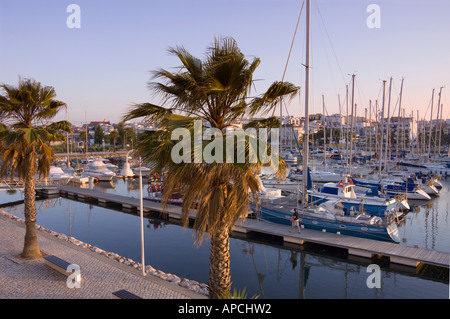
104	66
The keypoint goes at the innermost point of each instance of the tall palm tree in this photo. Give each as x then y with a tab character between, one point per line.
216	92
25	110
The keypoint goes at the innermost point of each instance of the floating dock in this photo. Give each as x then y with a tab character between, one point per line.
411	256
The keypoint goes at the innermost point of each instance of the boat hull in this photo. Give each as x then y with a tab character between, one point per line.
375	209
98	170
393	189
99	177
388	233
417	195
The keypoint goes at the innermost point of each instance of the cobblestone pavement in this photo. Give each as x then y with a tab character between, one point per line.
100	275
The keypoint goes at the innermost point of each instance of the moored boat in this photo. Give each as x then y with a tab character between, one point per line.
331	217
317	176
97	169
344	191
56	173
394	188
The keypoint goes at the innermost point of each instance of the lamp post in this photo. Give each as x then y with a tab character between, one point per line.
141	216
67	137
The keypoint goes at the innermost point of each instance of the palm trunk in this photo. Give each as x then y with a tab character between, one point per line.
219	264
31	247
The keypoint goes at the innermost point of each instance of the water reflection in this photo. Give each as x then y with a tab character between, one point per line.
265	267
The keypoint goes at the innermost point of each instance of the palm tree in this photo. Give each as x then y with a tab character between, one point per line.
26	109
216	92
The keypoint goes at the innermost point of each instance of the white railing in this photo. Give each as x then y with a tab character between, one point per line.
8	184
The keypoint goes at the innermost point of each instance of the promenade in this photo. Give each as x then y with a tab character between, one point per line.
101	276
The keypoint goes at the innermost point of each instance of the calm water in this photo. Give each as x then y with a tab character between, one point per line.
263	266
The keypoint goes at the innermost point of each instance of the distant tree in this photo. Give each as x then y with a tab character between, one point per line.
113	136
122	133
99	135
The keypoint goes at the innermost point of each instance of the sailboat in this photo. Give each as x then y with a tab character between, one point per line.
329	216
345	191
317	176
394	188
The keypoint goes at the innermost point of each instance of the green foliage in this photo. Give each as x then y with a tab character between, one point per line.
214	91
99	135
236	294
22	141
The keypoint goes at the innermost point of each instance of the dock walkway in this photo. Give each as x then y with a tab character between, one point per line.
397	253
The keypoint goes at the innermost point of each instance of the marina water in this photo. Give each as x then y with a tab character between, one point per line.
264	266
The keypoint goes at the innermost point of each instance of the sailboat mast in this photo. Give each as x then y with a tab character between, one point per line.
398	120
431	121
439	122
436	129
419	144
67	137
377	130
342	128
410	135
440	131
351	129
365	132
86	138
388	138
324	134
370	128
281	125
382	129
347	126
306	139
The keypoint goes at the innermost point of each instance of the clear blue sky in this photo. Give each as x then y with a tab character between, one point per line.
103	67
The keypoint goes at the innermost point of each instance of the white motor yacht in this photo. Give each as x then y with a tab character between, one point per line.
98	169
56	173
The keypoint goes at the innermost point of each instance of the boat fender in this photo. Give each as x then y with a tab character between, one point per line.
376	220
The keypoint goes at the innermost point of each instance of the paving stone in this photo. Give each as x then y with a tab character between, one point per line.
100	275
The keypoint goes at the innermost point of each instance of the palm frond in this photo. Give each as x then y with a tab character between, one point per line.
23	144
214	90
269	99
271	122
150	112
192	64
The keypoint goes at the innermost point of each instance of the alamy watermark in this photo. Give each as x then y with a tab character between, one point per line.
74	19
374	279
236	145
374	19
74	279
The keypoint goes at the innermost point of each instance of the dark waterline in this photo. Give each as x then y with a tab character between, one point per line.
262	265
